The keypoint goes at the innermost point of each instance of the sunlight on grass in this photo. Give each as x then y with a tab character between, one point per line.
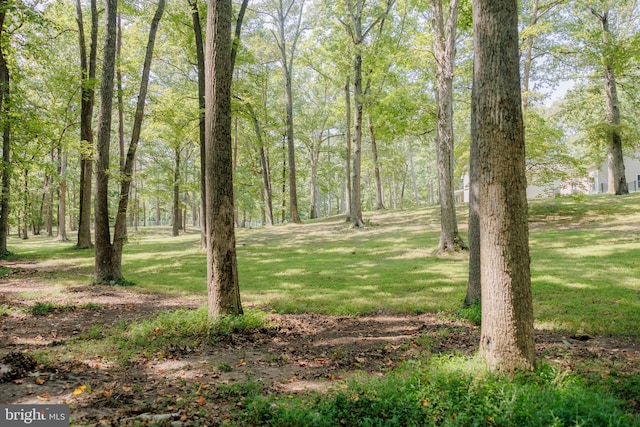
585	264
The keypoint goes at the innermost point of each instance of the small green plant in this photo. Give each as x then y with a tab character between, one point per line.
44	308
224	367
471	313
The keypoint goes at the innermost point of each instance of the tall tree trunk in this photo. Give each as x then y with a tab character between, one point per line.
120	228
6	138
120	94
445	54
104	269
62	198
88	70
176	194
474	288
356	186
347	154
264	166
506	340
197	30
287	55
615	158
414	181
222	269
376	166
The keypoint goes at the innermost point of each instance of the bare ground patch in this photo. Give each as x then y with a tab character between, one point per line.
199	385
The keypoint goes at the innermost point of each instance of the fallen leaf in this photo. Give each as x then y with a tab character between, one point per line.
242	362
107	393
44	396
79	390
40	381
200	400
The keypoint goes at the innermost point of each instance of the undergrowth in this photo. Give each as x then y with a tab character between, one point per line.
182	328
447	391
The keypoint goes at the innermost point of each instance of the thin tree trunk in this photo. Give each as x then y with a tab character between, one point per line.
120	229
376	166
88	70
506	340
445	53
264	166
104	269
474	283
62	198
197	30
356	186
347	154
6	138
222	269
176	194
414	181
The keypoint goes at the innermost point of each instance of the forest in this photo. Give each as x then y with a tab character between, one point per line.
300	212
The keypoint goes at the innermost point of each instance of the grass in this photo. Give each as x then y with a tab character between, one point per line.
445	391
585	264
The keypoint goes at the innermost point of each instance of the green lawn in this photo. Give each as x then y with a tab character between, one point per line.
585	264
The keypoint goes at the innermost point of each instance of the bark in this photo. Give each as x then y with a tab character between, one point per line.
414	181
176	195
615	158
120	228
356	186
474	283
222	268
445	54
62	198
88	70
197	30
264	166
6	138
104	269
376	166
120	94
506	340
347	154
358	33
286	61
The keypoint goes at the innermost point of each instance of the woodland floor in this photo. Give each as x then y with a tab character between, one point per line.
301	352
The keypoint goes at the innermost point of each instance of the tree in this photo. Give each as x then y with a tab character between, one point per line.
222	268
445	54
109	255
88	75
286	35
6	135
615	158
358	29
506	340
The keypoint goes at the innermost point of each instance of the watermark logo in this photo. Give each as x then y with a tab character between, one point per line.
34	415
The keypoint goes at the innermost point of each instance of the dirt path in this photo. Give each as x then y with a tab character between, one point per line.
195	386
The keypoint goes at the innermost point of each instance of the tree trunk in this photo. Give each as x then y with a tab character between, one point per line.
264	166
197	30
356	196
474	283
176	194
120	229
6	140
506	340
615	158
62	198
376	166
414	181
286	60
347	154
222	269
445	54
104	269
88	69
